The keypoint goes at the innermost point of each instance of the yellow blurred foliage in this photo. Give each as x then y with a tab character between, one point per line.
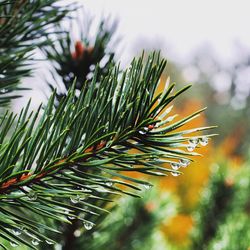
228	148
188	185
177	229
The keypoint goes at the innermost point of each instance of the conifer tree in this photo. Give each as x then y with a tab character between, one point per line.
63	164
222	217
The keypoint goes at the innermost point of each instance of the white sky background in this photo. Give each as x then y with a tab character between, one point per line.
179	27
183	25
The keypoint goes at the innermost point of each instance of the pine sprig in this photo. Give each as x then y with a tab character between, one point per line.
78	59
56	167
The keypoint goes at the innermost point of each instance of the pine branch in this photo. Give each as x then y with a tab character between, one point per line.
80	62
23	27
85	143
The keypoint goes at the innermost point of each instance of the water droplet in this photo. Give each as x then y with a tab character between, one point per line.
1	76
67	78
156	125
146	129
193	142
77	233
49	242
71	217
32	195
175	165
147	186
88	225
92	67
16	231
142	132
3	91
75	199
109	183
13	244
184	162
175	174
203	141
190	148
35	242
86	190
